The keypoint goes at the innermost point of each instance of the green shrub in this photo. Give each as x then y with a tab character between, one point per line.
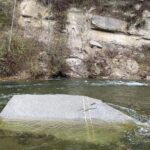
22	51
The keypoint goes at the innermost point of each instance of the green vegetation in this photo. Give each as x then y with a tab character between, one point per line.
24	56
22	51
5	13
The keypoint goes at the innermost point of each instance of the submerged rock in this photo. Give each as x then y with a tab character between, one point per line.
61	108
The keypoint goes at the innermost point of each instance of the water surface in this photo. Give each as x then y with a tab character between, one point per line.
130	94
132	97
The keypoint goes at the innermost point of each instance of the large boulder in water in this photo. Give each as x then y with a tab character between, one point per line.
61	108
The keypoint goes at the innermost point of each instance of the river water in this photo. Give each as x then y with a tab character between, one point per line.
131	97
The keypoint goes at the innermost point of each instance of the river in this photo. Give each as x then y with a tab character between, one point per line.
131	97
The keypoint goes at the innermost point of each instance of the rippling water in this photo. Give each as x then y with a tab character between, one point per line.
131	97
131	94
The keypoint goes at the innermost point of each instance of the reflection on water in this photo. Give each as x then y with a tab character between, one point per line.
127	94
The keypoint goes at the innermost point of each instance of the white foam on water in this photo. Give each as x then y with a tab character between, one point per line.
132	113
119	83
5	96
22	85
86	81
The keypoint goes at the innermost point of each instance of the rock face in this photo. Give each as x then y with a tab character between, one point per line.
61	108
78	68
100	45
124	67
111	52
144	30
33	17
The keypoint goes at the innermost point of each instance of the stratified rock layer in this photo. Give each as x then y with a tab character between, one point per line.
109	41
109	24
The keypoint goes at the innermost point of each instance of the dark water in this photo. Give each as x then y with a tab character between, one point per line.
134	96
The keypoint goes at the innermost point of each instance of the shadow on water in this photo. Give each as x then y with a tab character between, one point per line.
130	95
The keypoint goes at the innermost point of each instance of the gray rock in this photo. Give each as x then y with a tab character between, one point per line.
95	44
132	66
32	9
61	108
109	24
35	21
148	78
138	7
123	67
144	26
78	69
118	74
